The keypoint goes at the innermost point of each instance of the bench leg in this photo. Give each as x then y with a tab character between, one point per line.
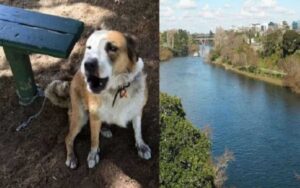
23	75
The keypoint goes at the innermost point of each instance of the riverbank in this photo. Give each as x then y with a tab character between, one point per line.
268	79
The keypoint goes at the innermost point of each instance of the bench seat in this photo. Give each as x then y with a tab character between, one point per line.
24	32
38	33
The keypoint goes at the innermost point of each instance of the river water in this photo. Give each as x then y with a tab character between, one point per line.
258	122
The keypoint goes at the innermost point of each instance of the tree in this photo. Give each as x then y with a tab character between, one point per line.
219	37
291	65
272	43
181	39
185	157
290	43
163	38
250	34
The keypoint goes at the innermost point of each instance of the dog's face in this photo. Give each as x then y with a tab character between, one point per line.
107	55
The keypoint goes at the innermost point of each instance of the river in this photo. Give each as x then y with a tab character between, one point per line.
258	122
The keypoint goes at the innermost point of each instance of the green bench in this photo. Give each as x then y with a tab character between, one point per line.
24	32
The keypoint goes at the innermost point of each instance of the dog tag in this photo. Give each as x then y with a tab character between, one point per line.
123	93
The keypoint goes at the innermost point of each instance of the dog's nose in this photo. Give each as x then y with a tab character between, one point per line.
91	65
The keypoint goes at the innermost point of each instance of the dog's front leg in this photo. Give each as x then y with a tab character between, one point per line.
78	118
95	126
144	150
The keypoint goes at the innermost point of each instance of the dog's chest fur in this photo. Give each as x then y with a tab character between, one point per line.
125	108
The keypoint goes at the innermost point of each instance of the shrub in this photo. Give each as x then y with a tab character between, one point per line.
213	55
184	150
165	54
290	43
291	66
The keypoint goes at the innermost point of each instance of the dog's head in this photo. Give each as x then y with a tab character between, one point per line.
110	58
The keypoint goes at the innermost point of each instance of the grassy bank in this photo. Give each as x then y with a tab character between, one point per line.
262	77
185	158
273	57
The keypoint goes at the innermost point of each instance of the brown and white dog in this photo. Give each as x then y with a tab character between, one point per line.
109	87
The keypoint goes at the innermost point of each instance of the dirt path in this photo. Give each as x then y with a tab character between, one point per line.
35	157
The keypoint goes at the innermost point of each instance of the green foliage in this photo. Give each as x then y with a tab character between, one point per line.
163	38
180	42
271	62
290	43
181	39
184	149
214	54
233	49
272	43
250	34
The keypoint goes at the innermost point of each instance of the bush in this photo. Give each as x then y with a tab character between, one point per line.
291	66
233	49
290	43
272	43
213	55
184	150
165	54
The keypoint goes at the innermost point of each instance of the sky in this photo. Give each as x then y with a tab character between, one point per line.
201	16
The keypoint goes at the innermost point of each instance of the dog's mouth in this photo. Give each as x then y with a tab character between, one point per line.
96	84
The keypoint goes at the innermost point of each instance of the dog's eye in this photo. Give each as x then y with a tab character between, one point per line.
110	47
89	47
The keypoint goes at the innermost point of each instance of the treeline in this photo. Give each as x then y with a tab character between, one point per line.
276	53
176	43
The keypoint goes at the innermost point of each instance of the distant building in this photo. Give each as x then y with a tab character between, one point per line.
243	29
296	25
263	28
256	27
285	25
272	26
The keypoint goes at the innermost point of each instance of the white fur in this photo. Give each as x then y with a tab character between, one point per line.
125	109
96	42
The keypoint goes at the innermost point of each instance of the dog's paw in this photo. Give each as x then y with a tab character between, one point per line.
144	151
71	162
93	158
106	132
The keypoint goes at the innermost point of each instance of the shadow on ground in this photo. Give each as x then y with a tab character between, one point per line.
35	157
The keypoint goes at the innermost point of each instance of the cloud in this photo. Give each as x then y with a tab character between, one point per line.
170	19
209	13
163	2
166	11
187	4
268	3
282	10
227	6
262	9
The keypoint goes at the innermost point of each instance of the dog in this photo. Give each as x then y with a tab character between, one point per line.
110	87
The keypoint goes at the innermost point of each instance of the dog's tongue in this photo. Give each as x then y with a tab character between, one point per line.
97	83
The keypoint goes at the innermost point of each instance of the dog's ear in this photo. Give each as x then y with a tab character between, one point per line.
131	47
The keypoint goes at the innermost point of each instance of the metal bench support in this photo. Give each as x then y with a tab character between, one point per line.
23	75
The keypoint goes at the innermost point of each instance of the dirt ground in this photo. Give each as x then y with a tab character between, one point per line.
35	156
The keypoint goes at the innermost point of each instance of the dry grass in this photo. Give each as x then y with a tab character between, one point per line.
220	167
